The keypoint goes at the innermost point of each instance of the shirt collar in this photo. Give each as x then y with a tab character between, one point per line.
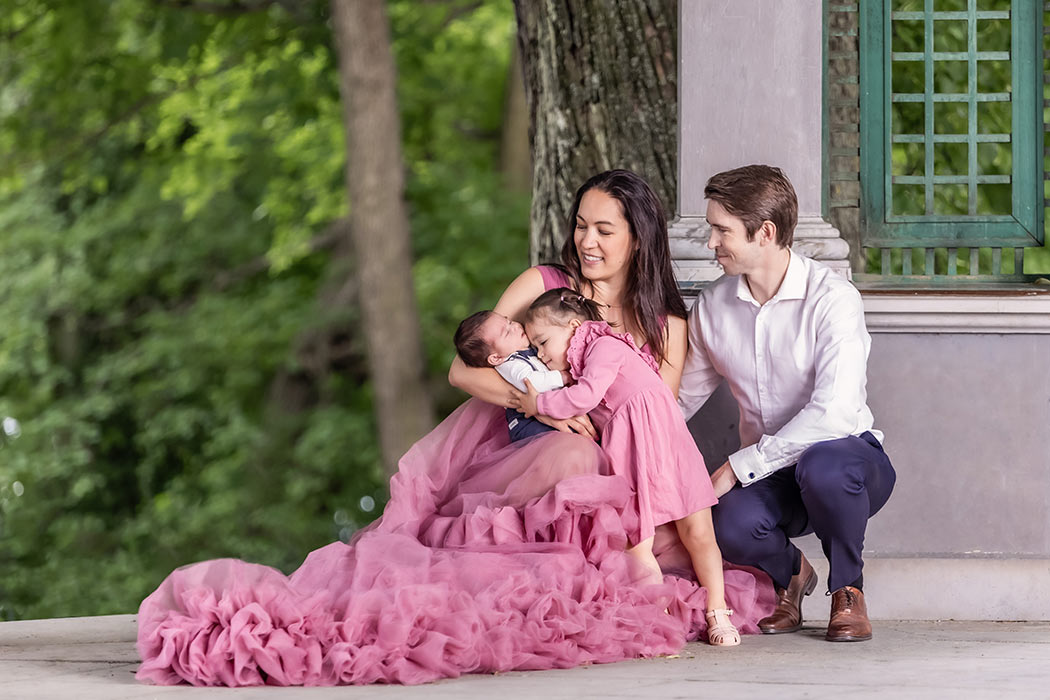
793	286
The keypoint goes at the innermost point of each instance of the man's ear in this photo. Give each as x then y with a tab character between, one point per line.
495	359
767	233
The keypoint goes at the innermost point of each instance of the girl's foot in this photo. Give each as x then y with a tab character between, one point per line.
720	631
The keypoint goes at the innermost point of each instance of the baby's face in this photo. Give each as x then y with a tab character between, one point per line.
502	335
551	341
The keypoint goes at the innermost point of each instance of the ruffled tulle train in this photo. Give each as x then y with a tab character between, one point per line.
489	557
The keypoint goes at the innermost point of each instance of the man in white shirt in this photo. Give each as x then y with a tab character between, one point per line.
788	335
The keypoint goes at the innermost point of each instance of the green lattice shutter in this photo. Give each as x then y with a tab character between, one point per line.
951	126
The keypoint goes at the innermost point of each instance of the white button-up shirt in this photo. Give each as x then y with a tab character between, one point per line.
796	365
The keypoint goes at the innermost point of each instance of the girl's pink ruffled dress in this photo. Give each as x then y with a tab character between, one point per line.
489	556
642	430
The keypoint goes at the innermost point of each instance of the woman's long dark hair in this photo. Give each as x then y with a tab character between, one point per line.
651	292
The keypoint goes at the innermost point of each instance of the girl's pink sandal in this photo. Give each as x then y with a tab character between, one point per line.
720	631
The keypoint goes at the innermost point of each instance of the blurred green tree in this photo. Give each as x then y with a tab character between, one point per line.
172	192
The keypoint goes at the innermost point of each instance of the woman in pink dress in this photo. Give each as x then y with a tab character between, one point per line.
489	556
643	434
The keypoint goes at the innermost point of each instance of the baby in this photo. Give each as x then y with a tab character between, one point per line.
489	339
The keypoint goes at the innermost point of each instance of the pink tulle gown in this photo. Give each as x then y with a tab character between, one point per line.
489	556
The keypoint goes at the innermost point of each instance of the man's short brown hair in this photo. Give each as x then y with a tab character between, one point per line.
757	193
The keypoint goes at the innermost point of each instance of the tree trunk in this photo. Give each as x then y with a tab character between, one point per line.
602	88
379	230
515	154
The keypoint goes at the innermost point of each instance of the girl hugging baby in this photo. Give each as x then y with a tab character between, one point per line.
642	431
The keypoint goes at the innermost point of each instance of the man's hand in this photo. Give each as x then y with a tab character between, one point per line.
723	479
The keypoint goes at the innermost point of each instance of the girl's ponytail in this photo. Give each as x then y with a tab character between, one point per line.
562	304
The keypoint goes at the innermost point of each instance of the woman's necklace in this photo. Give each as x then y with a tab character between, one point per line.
594	298
612	314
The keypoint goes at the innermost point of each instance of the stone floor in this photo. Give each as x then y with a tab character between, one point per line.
95	657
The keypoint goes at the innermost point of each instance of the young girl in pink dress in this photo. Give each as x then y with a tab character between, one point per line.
642	432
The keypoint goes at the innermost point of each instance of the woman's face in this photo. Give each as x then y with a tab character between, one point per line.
603	237
551	341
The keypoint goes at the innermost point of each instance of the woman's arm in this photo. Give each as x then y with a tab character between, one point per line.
484	382
676	344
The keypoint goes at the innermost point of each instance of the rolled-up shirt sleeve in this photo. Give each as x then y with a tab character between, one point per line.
838	401
699	376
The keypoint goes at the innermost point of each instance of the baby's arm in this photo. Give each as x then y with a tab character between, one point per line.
601	365
516	371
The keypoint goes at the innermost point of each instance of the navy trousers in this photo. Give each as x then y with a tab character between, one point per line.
522	427
832	491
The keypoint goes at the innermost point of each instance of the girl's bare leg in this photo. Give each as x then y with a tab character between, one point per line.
698	535
649	569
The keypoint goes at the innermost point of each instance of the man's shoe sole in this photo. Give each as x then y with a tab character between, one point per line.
851	638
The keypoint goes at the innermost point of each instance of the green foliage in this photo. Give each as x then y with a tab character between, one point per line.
994	117
167	174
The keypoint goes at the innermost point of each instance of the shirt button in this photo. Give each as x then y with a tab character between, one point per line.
750	475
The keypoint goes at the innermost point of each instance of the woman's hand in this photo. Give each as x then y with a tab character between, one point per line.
577	424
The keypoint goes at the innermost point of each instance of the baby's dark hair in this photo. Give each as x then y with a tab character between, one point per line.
562	305
469	343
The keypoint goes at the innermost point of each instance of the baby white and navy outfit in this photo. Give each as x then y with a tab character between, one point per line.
519	366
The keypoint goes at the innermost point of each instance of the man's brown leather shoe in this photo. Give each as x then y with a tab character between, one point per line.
787	617
849	616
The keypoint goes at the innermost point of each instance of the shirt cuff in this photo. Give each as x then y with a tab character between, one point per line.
748	465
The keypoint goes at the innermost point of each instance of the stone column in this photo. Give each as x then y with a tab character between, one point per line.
750	81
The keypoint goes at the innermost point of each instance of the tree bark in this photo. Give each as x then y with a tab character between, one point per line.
602	89
515	153
379	229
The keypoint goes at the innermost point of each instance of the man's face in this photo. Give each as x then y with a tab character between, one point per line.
734	252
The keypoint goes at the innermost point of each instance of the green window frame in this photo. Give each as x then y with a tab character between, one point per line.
881	225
